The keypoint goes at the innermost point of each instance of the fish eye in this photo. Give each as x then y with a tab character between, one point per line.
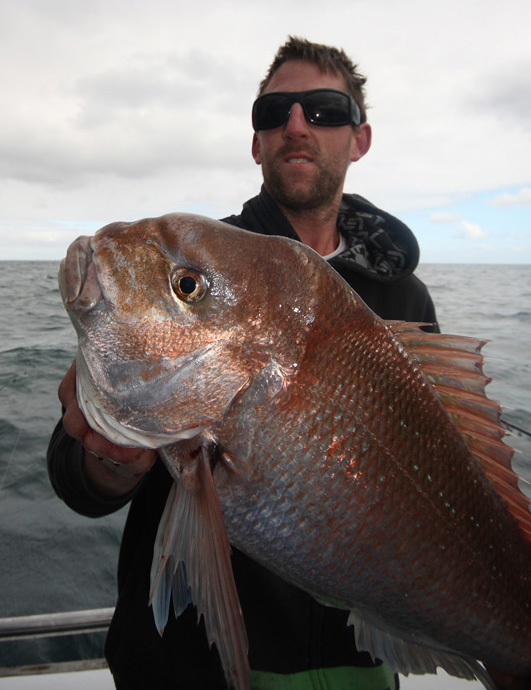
189	285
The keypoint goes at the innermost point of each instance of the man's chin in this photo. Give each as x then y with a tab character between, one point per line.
299	199
302	188
293	193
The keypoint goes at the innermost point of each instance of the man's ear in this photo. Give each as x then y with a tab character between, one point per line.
361	141
256	150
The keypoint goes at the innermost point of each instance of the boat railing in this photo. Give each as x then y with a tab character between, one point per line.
52	625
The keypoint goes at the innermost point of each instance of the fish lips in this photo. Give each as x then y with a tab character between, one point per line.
78	281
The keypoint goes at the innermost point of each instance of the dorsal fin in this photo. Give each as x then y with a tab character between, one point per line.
454	366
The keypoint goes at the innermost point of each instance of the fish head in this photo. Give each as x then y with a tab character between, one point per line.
175	316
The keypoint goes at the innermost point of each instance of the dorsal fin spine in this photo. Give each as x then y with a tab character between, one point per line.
454	367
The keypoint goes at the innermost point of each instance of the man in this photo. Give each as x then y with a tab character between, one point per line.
310	124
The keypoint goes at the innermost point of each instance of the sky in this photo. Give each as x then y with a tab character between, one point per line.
123	109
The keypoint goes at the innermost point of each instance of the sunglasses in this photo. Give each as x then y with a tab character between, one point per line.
323	107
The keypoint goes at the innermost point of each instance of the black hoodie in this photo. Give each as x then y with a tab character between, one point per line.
381	256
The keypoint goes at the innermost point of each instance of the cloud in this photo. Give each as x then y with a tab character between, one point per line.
445	218
154	113
470	231
520	198
124	109
465	229
509	94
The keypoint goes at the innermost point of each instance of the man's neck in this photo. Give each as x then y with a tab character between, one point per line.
316	228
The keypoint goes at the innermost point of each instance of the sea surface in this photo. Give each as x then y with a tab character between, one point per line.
54	560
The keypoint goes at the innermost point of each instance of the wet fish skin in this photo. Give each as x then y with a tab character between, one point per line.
398	501
340	469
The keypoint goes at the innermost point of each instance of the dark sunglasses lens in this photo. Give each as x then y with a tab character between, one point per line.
321	107
328	109
271	111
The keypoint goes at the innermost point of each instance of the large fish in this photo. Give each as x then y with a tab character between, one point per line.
358	459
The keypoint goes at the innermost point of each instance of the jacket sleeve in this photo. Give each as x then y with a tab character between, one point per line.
65	458
430	316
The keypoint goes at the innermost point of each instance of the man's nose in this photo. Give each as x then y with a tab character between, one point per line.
296	125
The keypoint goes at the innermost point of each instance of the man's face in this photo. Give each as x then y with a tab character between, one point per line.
304	165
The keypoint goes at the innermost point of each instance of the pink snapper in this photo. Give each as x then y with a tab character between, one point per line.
356	458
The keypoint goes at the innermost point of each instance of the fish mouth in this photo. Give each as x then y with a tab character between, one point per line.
78	280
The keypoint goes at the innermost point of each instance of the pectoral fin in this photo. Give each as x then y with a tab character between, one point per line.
191	560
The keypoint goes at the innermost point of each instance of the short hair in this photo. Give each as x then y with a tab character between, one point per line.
328	59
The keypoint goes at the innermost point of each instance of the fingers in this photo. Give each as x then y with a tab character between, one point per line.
67	387
74	421
132	461
138	461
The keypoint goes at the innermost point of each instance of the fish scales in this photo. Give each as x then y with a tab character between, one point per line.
451	517
340	468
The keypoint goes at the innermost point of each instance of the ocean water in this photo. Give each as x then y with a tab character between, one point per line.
51	559
54	560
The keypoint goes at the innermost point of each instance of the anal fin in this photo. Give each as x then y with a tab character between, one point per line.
407	656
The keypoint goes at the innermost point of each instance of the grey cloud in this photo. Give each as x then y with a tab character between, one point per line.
138	154
134	88
152	114
506	93
185	83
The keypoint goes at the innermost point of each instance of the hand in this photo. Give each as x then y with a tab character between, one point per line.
112	469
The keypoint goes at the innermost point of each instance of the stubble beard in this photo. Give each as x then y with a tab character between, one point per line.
305	195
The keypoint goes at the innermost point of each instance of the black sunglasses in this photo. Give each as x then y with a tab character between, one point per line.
323	107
